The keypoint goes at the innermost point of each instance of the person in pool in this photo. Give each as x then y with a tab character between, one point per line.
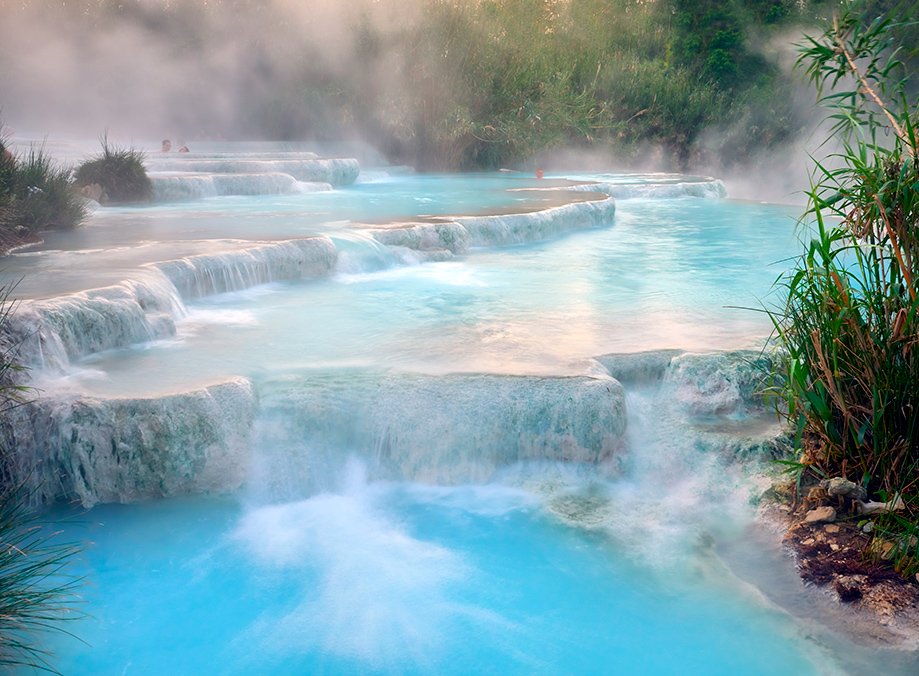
167	145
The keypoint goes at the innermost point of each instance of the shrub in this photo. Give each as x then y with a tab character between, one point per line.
850	323
119	171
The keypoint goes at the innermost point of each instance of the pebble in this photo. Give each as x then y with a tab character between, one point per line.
844	488
831	528
820	515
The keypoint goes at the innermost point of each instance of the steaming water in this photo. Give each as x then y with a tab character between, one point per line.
425	470
403	579
544	308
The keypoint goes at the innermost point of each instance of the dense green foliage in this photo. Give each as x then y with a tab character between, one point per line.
119	172
502	82
35	194
464	84
36	591
850	325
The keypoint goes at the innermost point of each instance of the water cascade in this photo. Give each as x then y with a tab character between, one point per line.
196	178
413	424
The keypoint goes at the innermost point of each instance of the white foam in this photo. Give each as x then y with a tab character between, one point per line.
382	597
444	273
198	317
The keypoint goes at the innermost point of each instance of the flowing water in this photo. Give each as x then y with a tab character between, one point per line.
397	423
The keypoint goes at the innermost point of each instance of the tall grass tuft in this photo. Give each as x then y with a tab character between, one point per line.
44	196
35	194
7	167
850	322
37	593
119	172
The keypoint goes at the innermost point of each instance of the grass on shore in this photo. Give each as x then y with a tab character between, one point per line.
35	194
851	319
119	172
37	593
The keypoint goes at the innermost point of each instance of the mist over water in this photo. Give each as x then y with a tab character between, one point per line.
372	421
429	441
185	69
368	78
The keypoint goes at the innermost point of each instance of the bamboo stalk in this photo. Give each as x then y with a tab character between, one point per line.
868	89
896	249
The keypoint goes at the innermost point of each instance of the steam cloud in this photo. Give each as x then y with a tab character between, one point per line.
192	68
279	70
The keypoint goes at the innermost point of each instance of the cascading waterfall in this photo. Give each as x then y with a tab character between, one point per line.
176	180
209	274
441	430
704	189
52	333
455	511
186	186
123	450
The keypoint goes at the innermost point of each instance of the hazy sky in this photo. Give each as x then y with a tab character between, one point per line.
192	68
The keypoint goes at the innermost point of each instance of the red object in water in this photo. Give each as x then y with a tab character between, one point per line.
539	173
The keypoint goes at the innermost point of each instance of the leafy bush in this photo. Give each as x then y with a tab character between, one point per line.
850	324
119	172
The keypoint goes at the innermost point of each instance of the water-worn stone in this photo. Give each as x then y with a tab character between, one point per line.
849	587
894	505
93	191
817	495
96	450
638	367
720	383
842	487
831	528
820	515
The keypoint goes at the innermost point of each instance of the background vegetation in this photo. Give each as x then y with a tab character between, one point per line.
438	84
501	82
850	325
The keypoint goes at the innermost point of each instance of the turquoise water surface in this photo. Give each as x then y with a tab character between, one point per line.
402	579
397	506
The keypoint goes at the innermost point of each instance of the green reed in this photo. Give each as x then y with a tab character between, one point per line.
850	323
35	194
119	172
37	591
